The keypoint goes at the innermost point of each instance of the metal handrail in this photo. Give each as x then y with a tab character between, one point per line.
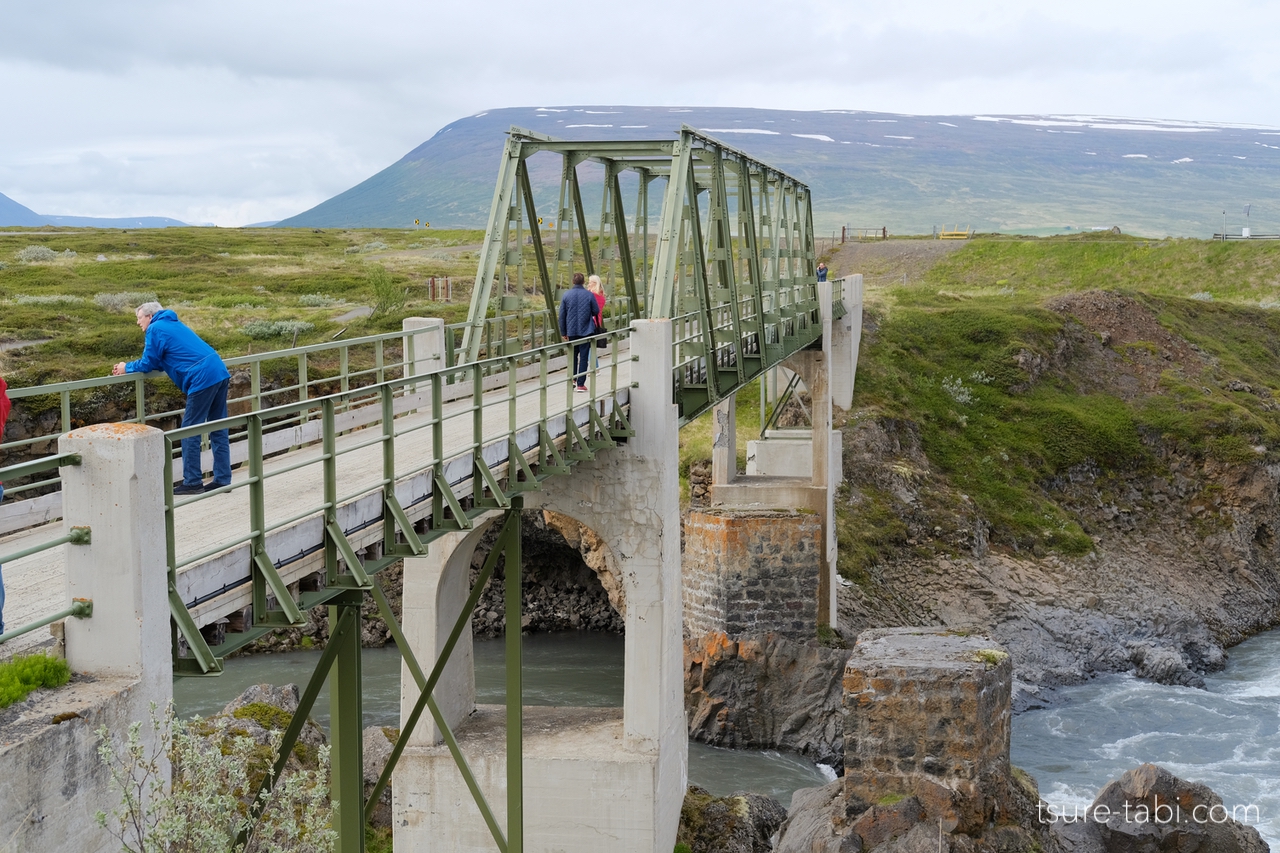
530	329
81	608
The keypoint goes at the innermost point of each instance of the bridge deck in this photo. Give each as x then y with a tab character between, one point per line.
214	585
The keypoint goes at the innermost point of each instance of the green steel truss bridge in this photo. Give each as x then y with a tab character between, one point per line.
427	437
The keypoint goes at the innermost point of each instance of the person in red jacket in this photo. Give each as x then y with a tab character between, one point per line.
4	415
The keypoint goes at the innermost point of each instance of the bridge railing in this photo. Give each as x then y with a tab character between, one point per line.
313	371
76	536
454	441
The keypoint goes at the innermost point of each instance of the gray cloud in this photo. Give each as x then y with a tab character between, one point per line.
240	111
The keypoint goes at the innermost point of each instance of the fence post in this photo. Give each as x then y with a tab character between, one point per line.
118	491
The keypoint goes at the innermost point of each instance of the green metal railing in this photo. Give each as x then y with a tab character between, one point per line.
360	362
80	608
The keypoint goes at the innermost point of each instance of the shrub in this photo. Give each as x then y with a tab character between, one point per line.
46	299
374	246
387	295
319	300
206	808
1202	296
36	254
126	300
263	329
21	675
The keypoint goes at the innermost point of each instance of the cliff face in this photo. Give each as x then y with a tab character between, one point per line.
1184	549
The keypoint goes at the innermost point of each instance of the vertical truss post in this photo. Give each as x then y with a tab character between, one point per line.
515	683
346	724
580	215
624	247
661	298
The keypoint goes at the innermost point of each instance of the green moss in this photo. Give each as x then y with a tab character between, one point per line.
990	657
21	675
890	799
269	717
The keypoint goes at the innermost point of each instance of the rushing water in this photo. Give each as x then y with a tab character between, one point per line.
1226	736
571	669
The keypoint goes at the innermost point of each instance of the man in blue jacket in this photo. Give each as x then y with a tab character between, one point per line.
579	318
198	371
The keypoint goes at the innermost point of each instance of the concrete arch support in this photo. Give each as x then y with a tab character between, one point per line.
594	779
435	589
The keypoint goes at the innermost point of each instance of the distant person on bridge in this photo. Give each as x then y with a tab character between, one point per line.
198	371
822	272
4	415
597	290
579	318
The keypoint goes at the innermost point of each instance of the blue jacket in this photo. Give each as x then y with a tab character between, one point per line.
578	313
170	346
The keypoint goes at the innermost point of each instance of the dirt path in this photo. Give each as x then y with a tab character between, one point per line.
884	262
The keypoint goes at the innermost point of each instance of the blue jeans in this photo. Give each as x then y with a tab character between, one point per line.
581	360
207	404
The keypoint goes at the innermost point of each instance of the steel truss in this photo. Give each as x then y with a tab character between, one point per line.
733	261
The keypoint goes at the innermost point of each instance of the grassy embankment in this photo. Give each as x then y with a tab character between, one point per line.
943	356
220	281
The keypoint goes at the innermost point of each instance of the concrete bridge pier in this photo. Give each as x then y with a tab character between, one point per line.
749	567
594	778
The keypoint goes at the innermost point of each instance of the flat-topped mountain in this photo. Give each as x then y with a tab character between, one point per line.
1031	174
14	214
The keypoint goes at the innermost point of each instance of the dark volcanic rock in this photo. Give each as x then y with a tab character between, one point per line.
1150	810
738	823
766	692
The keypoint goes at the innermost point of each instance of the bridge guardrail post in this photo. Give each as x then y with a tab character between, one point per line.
118	491
423	345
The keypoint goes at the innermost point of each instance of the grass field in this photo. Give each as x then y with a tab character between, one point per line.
944	354
219	281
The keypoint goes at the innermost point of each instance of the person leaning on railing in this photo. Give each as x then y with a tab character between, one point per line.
4	416
198	371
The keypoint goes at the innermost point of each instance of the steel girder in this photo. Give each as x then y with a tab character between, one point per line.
732	262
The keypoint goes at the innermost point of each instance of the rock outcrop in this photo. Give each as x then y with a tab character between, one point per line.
766	693
738	823
1150	810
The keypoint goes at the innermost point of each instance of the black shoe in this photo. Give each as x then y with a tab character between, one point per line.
210	486
184	489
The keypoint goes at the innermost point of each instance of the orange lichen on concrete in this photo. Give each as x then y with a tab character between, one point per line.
117	431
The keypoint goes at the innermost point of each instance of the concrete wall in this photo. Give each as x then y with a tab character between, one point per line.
51	781
750	573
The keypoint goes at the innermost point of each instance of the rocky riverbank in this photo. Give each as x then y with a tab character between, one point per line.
1185	560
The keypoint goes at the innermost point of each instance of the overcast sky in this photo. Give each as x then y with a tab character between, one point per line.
235	112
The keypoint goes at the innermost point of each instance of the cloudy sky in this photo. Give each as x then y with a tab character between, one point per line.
235	112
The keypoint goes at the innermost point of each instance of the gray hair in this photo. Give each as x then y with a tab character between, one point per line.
149	309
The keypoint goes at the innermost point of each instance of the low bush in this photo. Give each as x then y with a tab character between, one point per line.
263	329
388	296
21	675
319	300
36	254
126	300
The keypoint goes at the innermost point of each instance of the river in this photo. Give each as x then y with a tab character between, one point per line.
572	668
1226	736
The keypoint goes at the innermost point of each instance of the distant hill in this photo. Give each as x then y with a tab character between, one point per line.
14	214
1030	174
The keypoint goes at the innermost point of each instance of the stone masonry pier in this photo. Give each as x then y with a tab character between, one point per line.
927	715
